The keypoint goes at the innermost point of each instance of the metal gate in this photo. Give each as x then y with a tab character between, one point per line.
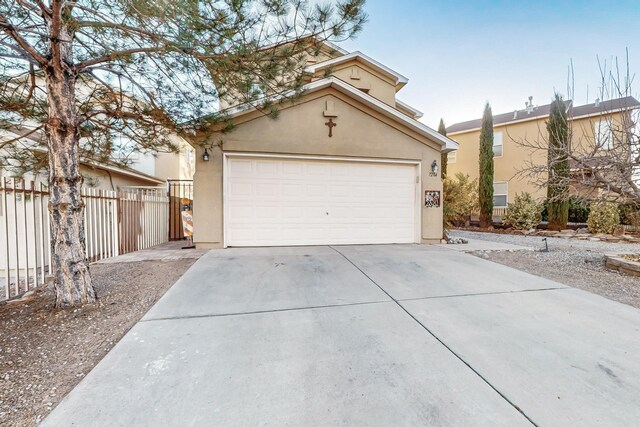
178	189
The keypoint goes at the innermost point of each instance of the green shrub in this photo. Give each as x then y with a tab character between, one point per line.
460	198
523	213
578	210
629	214
603	218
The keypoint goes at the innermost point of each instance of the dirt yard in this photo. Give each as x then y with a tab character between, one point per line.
577	263
44	352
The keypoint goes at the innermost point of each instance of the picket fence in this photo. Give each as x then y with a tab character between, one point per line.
116	222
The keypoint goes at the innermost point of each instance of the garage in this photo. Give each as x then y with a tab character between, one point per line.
335	167
286	200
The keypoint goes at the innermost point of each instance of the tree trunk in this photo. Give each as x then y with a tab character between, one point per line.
72	279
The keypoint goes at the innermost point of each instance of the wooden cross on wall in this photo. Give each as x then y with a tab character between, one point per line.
331	125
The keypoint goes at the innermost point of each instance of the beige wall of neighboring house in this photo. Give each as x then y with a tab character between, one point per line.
179	165
516	156
115	178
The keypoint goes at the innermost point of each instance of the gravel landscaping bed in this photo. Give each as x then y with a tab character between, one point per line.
577	263
45	352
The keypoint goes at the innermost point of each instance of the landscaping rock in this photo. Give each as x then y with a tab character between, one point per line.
619	231
457	241
577	262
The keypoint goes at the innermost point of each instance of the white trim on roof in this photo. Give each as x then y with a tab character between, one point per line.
128	171
408	107
335	47
512	122
605	112
399	78
424	130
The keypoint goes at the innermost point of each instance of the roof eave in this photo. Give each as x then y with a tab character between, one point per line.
399	80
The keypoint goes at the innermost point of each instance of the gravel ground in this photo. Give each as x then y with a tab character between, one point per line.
45	352
577	263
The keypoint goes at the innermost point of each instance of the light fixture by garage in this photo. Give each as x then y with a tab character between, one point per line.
205	155
434	168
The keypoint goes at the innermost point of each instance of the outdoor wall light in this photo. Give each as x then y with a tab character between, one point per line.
205	156
434	168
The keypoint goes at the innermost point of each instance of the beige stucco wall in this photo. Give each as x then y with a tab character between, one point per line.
179	165
379	86
517	157
514	157
110	180
301	130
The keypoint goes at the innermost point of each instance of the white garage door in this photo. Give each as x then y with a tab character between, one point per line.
280	202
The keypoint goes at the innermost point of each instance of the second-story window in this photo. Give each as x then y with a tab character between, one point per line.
451	156
603	134
497	144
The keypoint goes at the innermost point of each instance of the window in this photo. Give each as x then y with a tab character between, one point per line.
603	134
452	156
497	144
256	91
500	194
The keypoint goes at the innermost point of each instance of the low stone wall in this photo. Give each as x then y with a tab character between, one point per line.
624	266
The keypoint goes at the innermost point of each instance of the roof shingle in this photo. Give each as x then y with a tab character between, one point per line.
543	111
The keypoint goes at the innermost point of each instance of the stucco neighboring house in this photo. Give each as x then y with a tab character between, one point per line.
143	170
346	163
588	123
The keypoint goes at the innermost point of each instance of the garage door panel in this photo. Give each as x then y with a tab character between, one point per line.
317	168
272	202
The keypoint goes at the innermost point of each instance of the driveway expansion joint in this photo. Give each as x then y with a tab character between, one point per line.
397	302
520	291
277	310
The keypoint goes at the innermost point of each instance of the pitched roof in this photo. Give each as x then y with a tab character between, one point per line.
505	118
604	106
543	111
110	166
398	78
374	103
404	106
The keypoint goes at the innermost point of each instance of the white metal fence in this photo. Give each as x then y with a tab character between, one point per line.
115	223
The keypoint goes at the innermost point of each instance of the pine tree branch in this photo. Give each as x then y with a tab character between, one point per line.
4	143
118	54
122	27
10	30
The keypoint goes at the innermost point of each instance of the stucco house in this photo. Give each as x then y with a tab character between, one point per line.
347	163
514	131
143	170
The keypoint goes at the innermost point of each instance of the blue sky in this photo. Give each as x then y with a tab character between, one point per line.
459	54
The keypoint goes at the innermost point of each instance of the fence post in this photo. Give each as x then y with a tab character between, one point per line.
5	187
116	227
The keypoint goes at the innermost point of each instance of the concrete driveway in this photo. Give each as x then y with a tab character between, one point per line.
366	335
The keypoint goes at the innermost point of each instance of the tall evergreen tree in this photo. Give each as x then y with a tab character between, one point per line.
485	183
442	130
96	77
558	165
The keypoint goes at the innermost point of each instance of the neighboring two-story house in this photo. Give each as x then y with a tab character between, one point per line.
517	132
346	163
